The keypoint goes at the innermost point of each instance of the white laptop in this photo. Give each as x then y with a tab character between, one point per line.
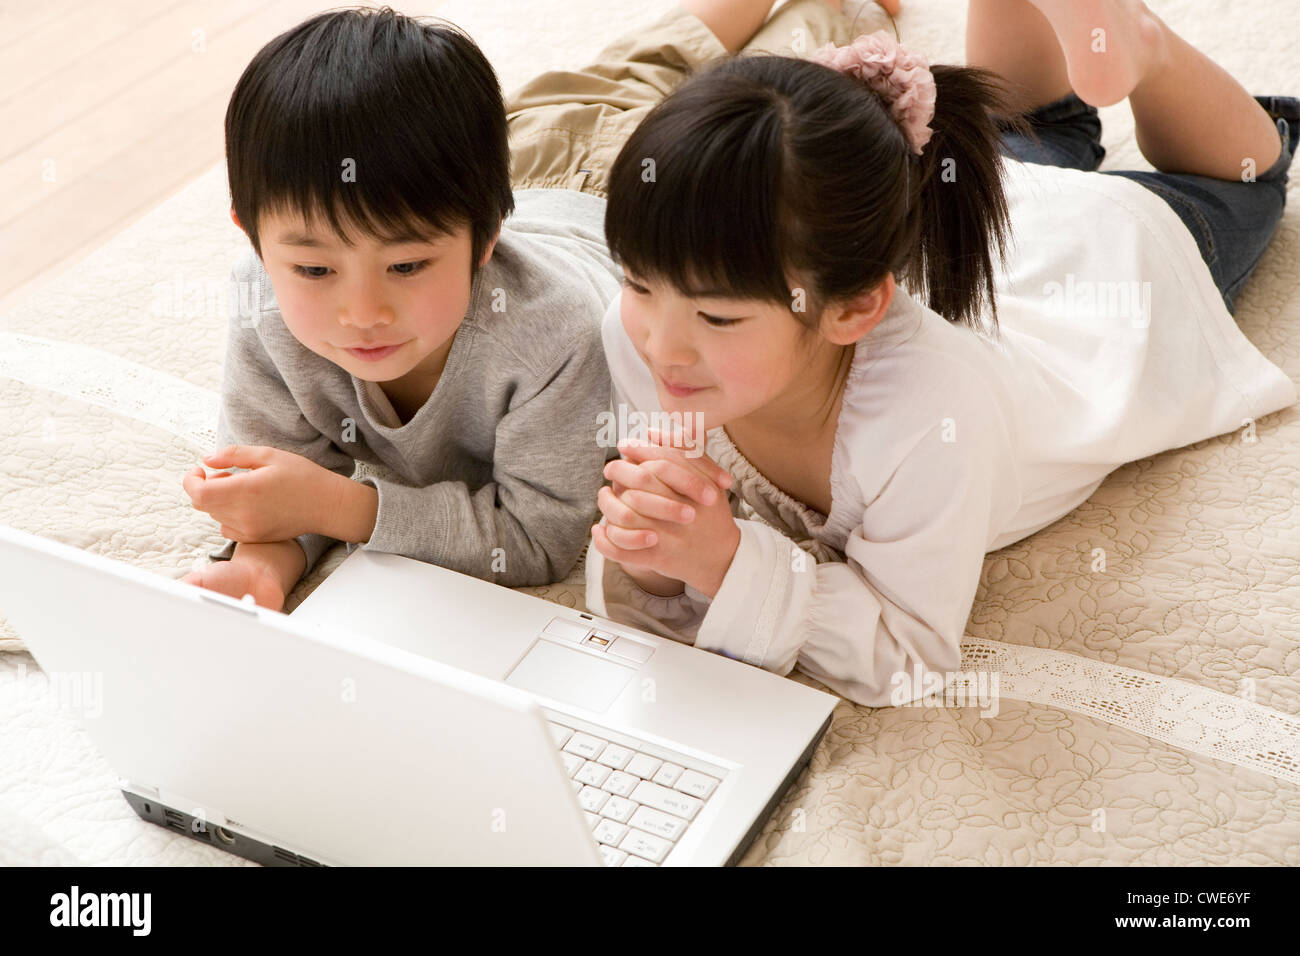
406	714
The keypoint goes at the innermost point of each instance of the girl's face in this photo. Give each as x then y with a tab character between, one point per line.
720	357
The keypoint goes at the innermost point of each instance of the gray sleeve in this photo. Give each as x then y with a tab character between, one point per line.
530	523
257	408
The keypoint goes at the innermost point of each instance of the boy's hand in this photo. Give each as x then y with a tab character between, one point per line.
281	496
237	578
667	516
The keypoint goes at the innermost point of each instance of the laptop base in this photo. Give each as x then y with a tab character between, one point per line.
779	794
220	837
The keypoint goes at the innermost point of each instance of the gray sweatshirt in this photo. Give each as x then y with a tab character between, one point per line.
498	471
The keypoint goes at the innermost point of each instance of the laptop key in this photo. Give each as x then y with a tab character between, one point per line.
696	784
668	774
613	857
668	801
592	773
646	845
618	808
615	756
644	766
585	745
572	763
658	823
621	783
638	861
592	819
609	831
592	798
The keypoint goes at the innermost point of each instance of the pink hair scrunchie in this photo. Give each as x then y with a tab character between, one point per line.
902	78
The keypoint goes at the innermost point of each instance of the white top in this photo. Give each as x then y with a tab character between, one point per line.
1115	345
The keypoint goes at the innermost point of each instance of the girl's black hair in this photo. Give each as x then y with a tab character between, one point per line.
415	107
762	174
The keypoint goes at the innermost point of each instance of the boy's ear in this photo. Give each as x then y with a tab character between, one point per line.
235	220
487	253
845	323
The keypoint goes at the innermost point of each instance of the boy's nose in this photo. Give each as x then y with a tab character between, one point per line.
364	311
365	317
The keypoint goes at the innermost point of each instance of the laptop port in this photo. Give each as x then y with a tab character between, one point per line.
224	835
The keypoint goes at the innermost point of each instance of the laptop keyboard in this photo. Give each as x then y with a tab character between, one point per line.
639	804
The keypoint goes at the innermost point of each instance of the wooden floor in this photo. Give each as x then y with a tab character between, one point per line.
111	106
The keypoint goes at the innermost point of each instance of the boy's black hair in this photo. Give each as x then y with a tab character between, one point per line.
415	107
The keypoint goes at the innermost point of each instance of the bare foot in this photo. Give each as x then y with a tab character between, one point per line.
1109	45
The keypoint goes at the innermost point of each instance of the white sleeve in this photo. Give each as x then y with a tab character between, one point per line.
880	626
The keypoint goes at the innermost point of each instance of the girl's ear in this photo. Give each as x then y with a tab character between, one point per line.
844	324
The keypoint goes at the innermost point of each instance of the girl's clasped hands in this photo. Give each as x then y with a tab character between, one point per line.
667	517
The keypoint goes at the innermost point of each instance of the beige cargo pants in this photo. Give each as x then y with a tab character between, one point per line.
566	128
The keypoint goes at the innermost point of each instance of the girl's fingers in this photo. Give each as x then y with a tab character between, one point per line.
708	470
618	511
687	480
630	539
601	540
657	507
625	475
686	440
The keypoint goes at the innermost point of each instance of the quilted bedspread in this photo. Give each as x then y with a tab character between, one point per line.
1147	645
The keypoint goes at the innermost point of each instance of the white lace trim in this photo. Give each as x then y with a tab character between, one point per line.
1194	718
100	378
1190	717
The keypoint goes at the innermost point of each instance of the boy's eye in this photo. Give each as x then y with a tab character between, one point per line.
312	272
633	286
410	268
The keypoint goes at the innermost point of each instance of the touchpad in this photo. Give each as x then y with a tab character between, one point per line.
575	677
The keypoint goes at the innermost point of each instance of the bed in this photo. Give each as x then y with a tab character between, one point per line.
1149	709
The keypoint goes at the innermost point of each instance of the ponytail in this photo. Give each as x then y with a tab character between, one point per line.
959	198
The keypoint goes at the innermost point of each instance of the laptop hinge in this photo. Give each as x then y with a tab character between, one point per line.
143	789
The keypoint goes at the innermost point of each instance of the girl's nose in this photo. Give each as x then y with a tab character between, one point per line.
667	348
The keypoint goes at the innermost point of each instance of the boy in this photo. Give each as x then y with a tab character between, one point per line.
388	316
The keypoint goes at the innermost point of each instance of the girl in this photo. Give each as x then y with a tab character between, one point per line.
903	351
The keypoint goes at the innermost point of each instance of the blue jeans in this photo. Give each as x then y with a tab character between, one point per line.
1231	220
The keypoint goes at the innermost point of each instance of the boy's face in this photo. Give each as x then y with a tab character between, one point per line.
380	310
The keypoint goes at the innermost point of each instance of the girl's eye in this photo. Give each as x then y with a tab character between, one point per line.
633	286
312	272
716	322
410	268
